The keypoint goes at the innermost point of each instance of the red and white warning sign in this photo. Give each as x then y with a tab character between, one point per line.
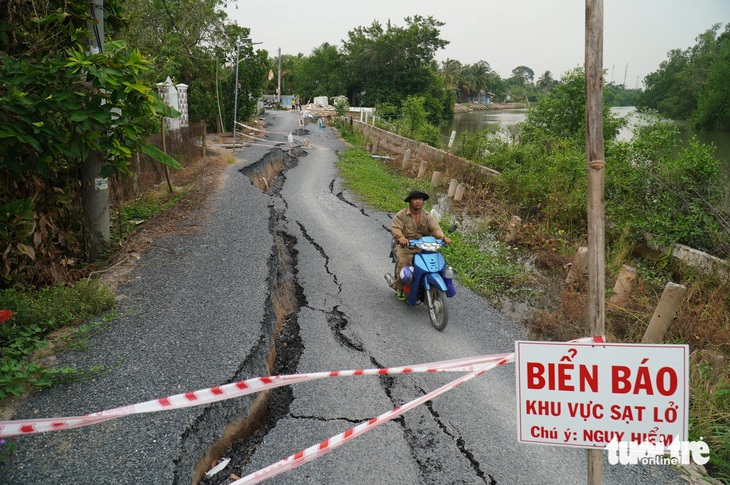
585	395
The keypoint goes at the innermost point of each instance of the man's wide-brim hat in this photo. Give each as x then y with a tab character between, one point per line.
416	194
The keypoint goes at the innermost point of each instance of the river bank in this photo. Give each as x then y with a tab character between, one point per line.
469	107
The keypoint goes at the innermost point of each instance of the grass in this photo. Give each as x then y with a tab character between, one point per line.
130	215
36	315
480	262
488	267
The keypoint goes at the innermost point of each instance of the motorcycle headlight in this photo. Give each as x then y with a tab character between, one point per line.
433	247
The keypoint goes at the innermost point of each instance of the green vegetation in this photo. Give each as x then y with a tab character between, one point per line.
379	64
692	84
652	186
59	102
131	214
383	188
30	317
194	43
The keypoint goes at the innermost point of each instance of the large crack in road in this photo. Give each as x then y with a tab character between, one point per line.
281	346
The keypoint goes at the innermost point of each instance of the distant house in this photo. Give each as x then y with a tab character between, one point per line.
485	97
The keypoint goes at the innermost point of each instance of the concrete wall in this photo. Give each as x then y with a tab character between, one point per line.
419	151
437	158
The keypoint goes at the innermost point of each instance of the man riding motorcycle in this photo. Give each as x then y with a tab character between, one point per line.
411	222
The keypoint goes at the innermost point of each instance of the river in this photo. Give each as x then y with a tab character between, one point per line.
478	120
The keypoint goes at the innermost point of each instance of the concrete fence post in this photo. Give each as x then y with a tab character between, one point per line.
664	313
623	286
459	194
451	139
452	187
578	267
406	159
514	227
422	170
375	145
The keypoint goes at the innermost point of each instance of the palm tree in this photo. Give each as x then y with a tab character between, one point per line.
478	77
546	81
453	73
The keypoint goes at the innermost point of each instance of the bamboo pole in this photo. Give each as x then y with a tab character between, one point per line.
596	171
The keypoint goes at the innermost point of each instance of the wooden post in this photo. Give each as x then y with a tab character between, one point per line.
137	170
664	313
205	136
164	149
596	168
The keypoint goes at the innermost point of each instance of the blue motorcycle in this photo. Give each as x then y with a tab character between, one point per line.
428	279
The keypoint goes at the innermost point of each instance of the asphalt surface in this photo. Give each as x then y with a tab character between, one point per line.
201	309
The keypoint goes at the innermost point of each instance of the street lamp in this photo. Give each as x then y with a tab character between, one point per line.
235	87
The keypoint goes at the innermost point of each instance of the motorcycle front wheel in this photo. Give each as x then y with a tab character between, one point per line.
438	310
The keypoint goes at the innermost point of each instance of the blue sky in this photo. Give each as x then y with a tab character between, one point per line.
540	34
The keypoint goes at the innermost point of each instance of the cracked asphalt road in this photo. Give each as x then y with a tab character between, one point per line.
201	309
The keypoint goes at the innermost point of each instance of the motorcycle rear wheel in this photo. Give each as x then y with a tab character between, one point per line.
438	310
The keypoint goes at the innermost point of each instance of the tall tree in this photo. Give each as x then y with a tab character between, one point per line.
478	77
453	73
322	73
192	42
523	75
389	63
686	78
713	109
546	81
58	102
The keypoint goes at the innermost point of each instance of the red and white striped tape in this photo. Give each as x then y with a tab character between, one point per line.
314	452
227	391
262	131
475	366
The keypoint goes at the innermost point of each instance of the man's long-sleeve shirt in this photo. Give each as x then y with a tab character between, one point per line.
404	225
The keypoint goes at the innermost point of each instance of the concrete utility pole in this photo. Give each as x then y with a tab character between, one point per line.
95	188
278	87
235	96
596	170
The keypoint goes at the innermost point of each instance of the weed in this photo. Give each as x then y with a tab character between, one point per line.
33	316
7	449
132	214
